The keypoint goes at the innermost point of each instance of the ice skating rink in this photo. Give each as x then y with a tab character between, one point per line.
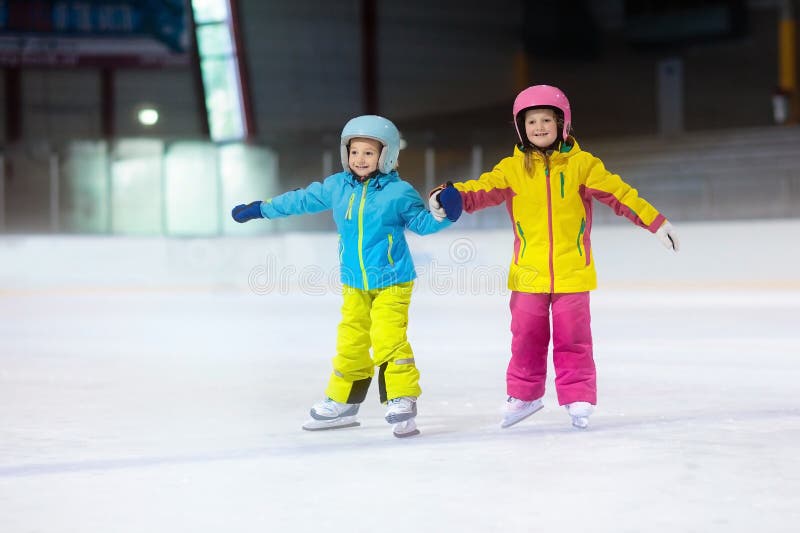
152	385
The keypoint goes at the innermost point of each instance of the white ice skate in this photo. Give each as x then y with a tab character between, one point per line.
517	410
405	429
329	414
580	413
401	412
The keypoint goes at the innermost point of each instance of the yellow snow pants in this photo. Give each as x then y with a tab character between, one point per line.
376	318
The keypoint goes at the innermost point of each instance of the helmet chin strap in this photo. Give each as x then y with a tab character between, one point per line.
524	147
369	176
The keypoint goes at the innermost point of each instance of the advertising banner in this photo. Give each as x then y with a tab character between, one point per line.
118	33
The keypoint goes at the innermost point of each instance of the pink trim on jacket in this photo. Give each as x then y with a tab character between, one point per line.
660	219
587	231
475	200
623	210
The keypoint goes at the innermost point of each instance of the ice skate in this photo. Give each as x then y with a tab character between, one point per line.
517	410
401	409
580	412
402	412
329	414
405	429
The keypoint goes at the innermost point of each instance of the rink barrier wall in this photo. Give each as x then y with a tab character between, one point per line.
724	255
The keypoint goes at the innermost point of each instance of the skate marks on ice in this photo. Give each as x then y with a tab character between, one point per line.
377	436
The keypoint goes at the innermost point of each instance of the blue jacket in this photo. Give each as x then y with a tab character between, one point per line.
371	218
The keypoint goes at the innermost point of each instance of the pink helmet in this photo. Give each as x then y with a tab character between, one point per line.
542	96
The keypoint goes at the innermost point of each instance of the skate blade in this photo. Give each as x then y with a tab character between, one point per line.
580	422
405	429
406	435
508	423
338	423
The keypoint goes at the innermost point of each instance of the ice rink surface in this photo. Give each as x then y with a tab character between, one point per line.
168	409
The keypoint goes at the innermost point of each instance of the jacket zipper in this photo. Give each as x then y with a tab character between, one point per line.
361	235
580	234
550	227
341	249
389	251
562	184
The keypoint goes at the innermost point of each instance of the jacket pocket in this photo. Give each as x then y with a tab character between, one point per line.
341	249
579	240
389	249
523	242
349	213
562	184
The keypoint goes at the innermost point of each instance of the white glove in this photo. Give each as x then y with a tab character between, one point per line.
666	234
437	210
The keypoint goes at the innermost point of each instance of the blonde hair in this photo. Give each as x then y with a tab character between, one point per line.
530	160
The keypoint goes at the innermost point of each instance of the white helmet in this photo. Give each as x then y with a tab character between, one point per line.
373	127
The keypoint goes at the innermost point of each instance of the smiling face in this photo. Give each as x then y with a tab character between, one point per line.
541	127
363	156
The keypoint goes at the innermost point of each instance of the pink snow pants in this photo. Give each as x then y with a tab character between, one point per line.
576	379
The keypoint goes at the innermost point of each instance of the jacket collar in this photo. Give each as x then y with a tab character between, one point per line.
564	149
376	180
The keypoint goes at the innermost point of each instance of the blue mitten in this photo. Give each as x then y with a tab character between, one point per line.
243	213
451	202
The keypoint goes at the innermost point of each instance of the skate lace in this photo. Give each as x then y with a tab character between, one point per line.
401	403
330	407
515	404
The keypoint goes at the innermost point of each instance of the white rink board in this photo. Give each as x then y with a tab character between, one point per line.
723	254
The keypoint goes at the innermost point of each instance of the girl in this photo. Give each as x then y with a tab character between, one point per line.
548	185
372	207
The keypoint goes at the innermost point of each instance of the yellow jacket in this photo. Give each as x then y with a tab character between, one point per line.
551	214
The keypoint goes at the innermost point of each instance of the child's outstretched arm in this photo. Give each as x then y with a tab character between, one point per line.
416	217
313	199
490	189
611	190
